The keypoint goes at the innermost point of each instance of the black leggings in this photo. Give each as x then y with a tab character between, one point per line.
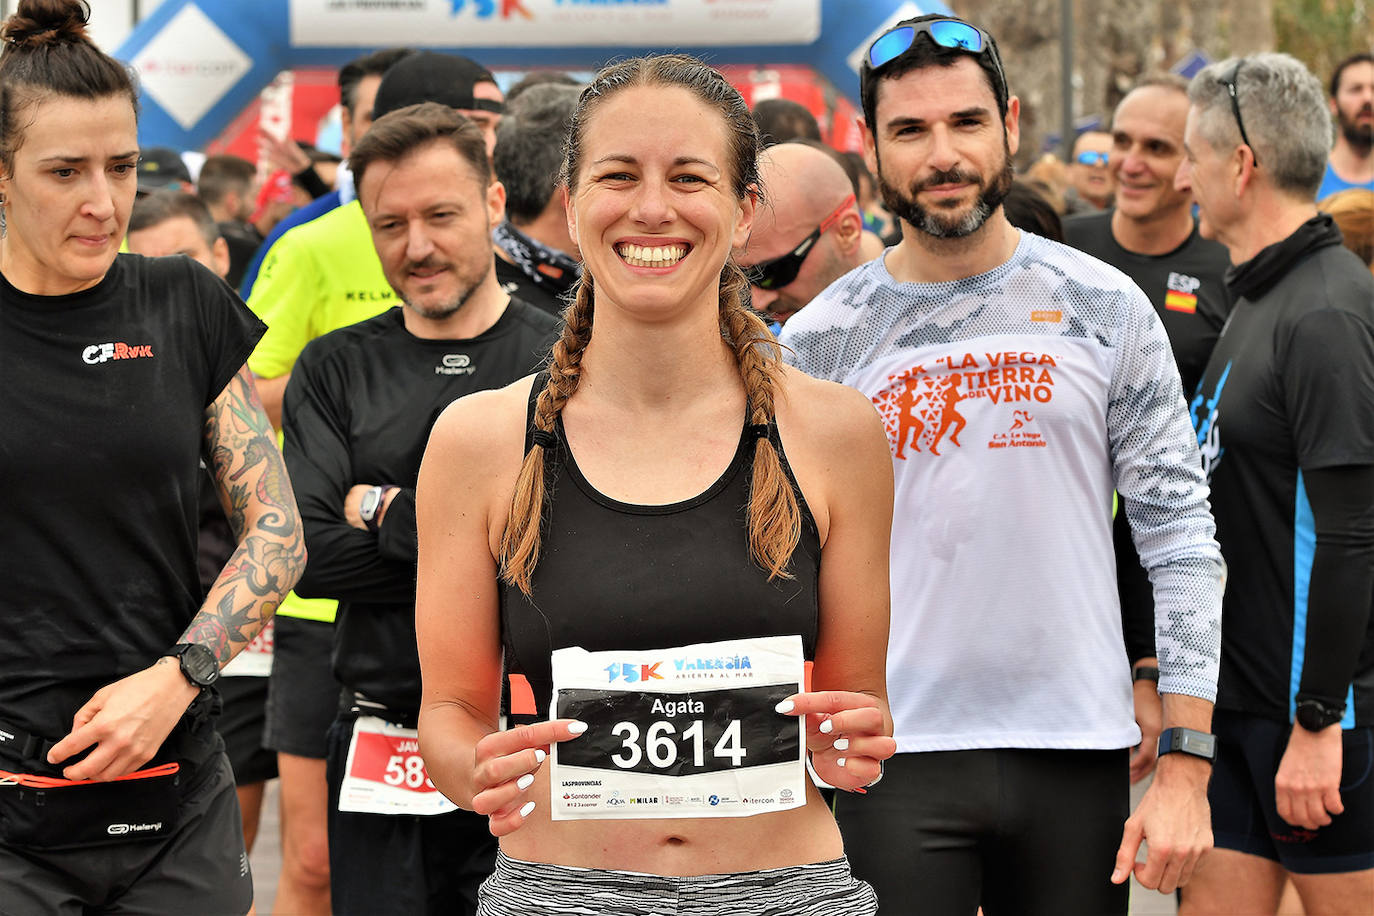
1010	830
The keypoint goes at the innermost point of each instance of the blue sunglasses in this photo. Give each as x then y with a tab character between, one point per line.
947	33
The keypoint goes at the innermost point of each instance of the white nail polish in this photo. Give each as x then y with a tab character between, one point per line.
525	809
539	755
577	728
785	707
841	761
841	744
827	727
524	782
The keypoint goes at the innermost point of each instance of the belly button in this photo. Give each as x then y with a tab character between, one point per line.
675	841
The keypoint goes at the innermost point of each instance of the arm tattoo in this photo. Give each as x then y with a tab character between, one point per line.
261	508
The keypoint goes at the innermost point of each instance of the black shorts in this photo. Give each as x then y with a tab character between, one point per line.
1245	814
1010	830
302	695
241	724
387	863
200	868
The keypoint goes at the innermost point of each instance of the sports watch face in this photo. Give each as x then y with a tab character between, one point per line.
372	499
199	665
1315	716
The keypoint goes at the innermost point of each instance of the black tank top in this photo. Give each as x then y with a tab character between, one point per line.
612	575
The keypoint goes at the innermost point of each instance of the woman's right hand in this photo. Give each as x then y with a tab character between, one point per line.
504	769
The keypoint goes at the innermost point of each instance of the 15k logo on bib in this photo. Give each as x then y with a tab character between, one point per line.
687	732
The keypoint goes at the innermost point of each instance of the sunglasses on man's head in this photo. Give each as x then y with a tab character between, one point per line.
947	33
1091	157
1230	83
780	271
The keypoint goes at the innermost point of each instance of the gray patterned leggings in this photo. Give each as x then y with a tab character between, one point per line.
518	888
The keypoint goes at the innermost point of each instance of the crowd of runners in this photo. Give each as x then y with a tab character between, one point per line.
604	498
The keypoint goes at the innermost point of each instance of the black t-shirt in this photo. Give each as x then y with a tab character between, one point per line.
1188	290
101	432
358	409
1289	388
516	284
1186	286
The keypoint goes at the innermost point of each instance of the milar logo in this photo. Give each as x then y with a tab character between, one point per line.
99	353
633	674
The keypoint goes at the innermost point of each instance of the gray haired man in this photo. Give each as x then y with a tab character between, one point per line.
1285	420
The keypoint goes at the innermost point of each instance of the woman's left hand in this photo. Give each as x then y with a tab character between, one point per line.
845	734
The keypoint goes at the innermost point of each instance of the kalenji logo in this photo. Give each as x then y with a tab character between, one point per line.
99	353
121	829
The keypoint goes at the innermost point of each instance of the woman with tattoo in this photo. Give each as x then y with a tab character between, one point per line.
120	376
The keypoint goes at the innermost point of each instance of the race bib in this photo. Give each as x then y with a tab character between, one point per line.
256	658
385	773
689	732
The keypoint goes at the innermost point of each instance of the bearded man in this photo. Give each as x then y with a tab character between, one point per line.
1036	379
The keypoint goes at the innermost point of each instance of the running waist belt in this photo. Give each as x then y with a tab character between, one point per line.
46	812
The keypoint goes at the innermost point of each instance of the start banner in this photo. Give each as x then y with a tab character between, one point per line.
562	23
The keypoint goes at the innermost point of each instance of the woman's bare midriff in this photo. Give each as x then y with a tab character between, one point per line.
678	846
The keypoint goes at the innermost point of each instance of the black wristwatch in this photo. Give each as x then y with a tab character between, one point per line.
372	503
1314	715
198	664
1188	741
1145	673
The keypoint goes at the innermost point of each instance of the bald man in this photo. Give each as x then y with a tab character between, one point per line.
807	234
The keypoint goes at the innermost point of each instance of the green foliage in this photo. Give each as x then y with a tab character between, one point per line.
1322	33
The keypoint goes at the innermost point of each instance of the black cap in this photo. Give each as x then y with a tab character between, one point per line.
161	167
431	77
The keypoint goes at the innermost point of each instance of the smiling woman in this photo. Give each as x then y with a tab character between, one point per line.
665	489
120	374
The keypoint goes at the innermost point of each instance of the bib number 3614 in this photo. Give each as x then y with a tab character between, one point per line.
703	732
663	751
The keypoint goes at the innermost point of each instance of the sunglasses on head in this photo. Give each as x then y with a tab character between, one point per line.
947	33
1230	83
780	271
1091	157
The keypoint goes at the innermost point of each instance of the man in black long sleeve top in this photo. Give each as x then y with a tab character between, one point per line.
1285	420
357	414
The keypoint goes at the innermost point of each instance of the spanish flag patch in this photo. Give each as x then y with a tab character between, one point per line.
1175	301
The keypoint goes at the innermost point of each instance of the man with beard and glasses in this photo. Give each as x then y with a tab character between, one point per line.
1020	382
356	417
1351	162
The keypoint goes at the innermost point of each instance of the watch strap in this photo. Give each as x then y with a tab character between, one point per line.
373	519
1146	673
1188	741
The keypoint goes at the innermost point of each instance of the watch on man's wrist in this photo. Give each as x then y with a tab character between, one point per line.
198	663
1314	715
371	506
1188	741
1145	673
